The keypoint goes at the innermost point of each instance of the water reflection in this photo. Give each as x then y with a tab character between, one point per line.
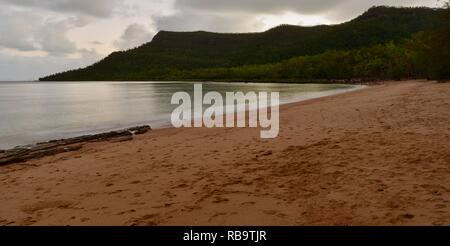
32	112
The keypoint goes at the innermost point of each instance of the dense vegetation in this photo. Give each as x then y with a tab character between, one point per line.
383	43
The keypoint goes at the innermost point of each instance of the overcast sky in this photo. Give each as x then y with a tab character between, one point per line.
38	38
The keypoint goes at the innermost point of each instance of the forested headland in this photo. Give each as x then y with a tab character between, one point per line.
382	43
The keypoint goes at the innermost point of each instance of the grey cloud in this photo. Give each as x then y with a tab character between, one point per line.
233	15
260	6
14	68
54	39
95	42
133	36
16	31
190	20
53	36
98	8
25	30
241	15
350	9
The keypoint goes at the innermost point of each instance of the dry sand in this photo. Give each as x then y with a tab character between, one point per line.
378	156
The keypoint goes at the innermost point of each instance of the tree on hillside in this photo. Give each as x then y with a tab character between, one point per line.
439	52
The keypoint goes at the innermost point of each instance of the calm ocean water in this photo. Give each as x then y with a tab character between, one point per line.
38	111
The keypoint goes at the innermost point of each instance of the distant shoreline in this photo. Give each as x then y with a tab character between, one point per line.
351	81
277	81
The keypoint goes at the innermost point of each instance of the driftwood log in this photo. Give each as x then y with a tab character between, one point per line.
53	147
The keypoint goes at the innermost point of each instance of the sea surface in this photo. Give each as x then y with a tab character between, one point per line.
32	112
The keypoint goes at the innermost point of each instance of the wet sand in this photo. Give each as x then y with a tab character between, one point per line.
377	156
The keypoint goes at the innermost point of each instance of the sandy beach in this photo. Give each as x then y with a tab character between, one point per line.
377	156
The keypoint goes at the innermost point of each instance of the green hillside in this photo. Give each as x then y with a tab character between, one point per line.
170	54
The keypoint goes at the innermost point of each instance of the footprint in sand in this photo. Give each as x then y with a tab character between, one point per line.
248	203
214	216
127	212
35	207
146	220
270	212
219	199
83	220
28	221
407	216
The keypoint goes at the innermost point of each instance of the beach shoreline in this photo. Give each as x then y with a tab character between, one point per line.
111	130
374	156
68	110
